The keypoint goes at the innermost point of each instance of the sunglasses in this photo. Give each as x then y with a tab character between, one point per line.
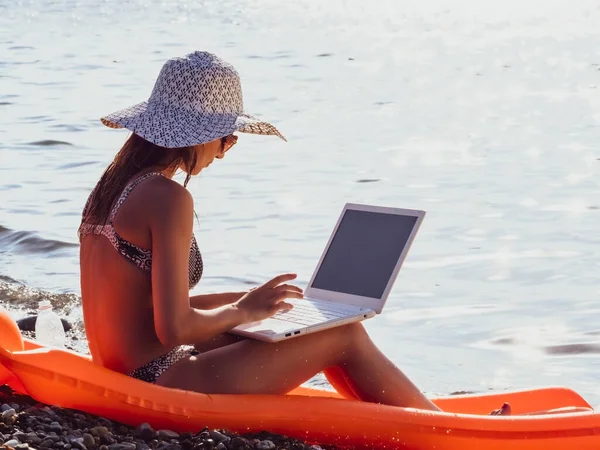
232	139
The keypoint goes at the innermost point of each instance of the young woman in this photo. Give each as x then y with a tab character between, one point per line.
139	259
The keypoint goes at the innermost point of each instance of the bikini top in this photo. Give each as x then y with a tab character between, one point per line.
141	257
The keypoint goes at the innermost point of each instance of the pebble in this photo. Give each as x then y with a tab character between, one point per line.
169	434
238	442
145	432
11	443
47	443
99	431
88	440
48	412
56	427
122	446
77	444
207	444
265	445
218	437
32	438
7	414
107	440
172	446
20	436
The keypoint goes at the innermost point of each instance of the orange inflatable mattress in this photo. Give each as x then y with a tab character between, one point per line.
71	380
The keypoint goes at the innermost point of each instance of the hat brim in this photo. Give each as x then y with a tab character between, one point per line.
172	127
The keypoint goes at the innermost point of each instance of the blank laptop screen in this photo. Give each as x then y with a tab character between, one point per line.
364	252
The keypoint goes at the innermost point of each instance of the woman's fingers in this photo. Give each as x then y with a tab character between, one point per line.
276	291
288	287
283	294
273	282
283	306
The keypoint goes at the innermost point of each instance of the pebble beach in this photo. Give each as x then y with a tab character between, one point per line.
26	424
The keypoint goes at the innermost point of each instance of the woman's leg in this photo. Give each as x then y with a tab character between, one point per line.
221	340
254	367
334	375
338	380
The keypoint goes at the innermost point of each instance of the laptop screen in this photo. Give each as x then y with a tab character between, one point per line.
364	252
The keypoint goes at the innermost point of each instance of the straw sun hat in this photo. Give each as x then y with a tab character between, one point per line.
197	98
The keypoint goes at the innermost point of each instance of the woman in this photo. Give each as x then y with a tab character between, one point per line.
139	259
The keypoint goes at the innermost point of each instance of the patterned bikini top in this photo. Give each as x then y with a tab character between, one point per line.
141	257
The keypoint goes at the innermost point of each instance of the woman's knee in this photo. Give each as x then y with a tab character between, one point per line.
351	335
356	332
346	342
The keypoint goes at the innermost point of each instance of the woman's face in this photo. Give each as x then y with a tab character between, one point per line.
206	153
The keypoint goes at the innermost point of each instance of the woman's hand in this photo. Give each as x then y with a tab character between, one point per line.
266	300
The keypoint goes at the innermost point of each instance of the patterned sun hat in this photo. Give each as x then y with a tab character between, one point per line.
197	98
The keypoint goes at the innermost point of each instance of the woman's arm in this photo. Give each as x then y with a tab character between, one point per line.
171	224
176	321
211	301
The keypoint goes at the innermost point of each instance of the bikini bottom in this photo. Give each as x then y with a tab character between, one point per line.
150	372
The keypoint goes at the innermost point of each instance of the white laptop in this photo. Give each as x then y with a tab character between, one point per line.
354	276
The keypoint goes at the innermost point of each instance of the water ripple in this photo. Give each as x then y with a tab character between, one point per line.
48	143
27	242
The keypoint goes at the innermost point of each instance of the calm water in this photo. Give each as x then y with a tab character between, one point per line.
485	116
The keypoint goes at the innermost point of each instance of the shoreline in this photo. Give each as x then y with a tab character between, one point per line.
28	424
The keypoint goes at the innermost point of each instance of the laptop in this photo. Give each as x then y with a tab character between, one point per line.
354	276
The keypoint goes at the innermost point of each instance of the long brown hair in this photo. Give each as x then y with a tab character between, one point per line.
136	155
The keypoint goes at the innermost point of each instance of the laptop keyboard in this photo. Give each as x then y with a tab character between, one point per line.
310	312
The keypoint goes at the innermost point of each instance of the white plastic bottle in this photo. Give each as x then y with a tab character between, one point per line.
49	329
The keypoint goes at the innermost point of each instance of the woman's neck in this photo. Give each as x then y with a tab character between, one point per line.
165	171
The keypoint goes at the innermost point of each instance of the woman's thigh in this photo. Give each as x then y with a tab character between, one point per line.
254	367
218	341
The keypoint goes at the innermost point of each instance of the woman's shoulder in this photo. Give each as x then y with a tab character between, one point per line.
167	197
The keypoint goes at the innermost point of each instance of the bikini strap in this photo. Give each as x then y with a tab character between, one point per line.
130	187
